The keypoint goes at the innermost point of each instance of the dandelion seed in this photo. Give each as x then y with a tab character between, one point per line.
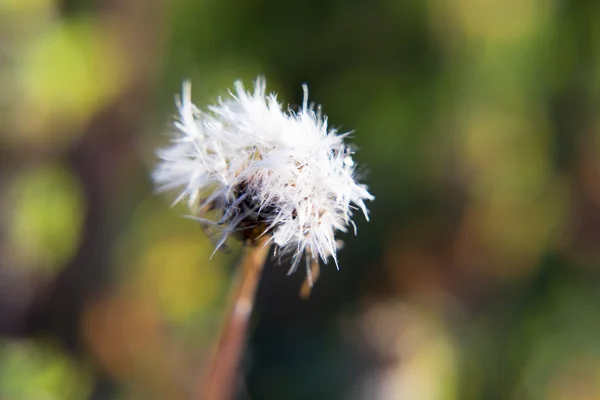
247	167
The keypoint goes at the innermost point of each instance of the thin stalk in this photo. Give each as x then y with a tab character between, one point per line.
221	383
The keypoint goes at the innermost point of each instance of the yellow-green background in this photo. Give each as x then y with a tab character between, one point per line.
478	124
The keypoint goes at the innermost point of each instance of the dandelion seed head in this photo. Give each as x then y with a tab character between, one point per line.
246	167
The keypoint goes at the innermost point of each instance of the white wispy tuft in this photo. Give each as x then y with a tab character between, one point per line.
247	163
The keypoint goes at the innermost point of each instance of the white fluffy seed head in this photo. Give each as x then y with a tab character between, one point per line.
247	165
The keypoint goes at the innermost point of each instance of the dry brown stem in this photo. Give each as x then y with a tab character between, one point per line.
224	368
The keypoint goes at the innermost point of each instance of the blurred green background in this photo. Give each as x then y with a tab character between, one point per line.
478	124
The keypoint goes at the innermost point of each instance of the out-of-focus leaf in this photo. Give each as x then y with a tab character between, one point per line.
47	211
65	75
38	371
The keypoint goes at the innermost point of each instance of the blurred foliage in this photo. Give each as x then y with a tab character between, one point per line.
41	372
46	216
478	129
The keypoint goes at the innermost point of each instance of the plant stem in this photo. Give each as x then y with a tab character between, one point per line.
223	370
